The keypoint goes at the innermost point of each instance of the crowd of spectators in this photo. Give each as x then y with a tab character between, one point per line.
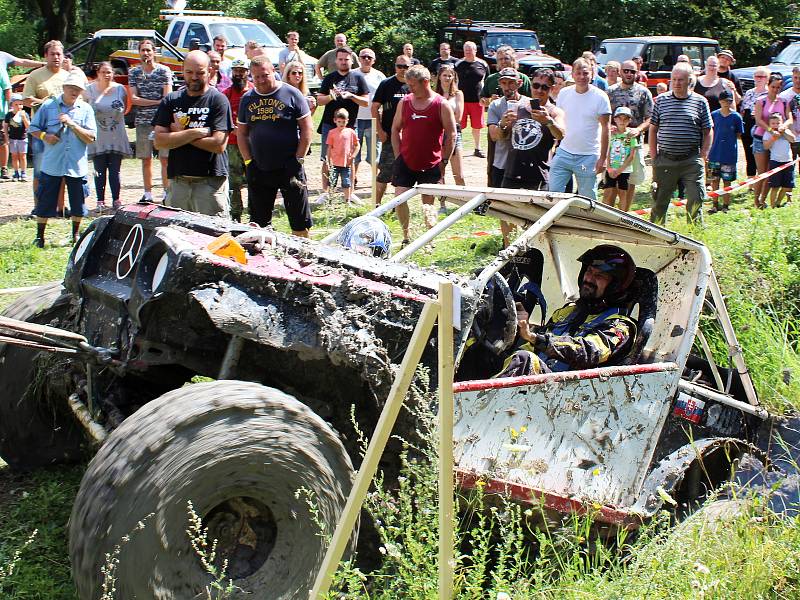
248	122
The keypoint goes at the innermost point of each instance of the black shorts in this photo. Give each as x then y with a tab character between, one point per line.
404	177
619	182
263	186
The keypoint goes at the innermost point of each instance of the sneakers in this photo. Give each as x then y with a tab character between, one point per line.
4	173
442	211
22	177
405	243
15	177
100	208
478	153
116	205
146	197
164	197
322	198
38	242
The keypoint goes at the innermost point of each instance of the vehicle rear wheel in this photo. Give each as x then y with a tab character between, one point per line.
239	452
36	426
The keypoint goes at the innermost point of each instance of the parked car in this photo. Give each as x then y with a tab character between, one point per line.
201	26
783	63
303	340
488	36
659	53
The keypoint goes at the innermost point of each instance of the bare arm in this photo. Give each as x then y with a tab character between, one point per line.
459	111
216	142
601	162
708	137
651	142
360	100
28	64
306	127
375	109
397	127
449	124
758	111
136	100
243	141
167	140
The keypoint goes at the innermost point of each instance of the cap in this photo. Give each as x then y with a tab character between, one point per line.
623	110
75	79
727	53
509	73
16	97
725	95
240	63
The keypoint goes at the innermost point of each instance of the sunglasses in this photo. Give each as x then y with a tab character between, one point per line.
296	73
540	86
402	66
631	71
367	57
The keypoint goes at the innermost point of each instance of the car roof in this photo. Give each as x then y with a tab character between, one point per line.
662	38
213	19
110	33
487	29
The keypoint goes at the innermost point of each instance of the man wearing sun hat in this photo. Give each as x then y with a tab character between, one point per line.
726	61
66	125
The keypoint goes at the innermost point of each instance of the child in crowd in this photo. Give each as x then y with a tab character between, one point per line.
777	141
728	129
661	88
15	129
343	147
620	158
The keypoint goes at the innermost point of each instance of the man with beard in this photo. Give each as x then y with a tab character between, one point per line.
502	114
149	83
239	87
589	333
194	123
274	134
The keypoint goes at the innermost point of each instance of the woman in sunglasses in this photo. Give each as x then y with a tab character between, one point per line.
295	75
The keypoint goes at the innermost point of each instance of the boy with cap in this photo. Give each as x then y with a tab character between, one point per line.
728	128
15	128
621	146
67	126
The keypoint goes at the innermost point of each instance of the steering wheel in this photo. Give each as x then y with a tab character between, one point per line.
495	323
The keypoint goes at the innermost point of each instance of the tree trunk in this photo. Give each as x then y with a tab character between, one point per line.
57	18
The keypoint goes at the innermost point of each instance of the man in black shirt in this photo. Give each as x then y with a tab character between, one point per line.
344	88
726	61
444	58
384	104
471	73
193	123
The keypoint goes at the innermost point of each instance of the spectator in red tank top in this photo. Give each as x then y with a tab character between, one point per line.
418	129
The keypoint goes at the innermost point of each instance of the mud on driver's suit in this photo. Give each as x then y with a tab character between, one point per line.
584	334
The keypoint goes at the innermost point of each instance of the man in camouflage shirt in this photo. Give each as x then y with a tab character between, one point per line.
149	83
589	333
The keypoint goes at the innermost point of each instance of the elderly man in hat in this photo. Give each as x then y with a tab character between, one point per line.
67	126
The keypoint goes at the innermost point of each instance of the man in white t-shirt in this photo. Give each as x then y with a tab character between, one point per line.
373	77
583	150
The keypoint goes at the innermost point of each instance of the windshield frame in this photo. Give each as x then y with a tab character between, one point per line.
240	39
789	55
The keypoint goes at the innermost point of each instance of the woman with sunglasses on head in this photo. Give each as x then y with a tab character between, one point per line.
446	85
765	106
295	75
746	108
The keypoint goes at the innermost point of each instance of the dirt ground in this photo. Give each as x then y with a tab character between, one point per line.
16	199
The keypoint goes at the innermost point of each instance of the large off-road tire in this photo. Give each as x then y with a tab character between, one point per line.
36	425
239	452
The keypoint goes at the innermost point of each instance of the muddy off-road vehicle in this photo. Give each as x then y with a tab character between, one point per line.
298	335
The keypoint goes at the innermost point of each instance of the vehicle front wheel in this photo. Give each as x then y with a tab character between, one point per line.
267	476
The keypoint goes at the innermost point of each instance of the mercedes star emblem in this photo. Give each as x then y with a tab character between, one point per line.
129	251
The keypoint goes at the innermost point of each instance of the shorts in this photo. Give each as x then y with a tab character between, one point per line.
720	171
144	143
475	112
204	195
783	178
620	181
459	145
49	189
404	177
263	187
385	163
758	145
323	150
344	173
498	175
795	149
18	146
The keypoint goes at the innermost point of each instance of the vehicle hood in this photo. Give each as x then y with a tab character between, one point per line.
747	72
530	57
272	53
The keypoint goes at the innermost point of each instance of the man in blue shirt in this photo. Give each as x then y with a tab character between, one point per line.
67	126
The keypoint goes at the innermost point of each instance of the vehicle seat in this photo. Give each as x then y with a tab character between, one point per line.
644	293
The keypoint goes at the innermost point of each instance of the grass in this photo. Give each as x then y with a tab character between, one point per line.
757	259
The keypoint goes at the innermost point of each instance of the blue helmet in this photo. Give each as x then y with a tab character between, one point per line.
367	235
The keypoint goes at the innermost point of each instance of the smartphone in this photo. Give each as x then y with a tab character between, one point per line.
535	105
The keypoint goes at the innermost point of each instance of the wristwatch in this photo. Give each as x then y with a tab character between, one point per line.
300	159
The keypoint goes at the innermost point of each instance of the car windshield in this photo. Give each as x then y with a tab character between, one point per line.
619	51
518	41
238	34
789	55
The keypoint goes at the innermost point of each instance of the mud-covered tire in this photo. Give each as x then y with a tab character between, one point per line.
36	426
215	444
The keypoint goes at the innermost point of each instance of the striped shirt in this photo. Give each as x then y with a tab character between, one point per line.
681	122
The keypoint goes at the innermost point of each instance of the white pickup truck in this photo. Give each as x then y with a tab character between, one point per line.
205	25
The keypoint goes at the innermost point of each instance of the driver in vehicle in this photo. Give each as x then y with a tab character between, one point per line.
589	333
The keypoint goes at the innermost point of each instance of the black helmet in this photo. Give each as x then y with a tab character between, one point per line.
614	261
